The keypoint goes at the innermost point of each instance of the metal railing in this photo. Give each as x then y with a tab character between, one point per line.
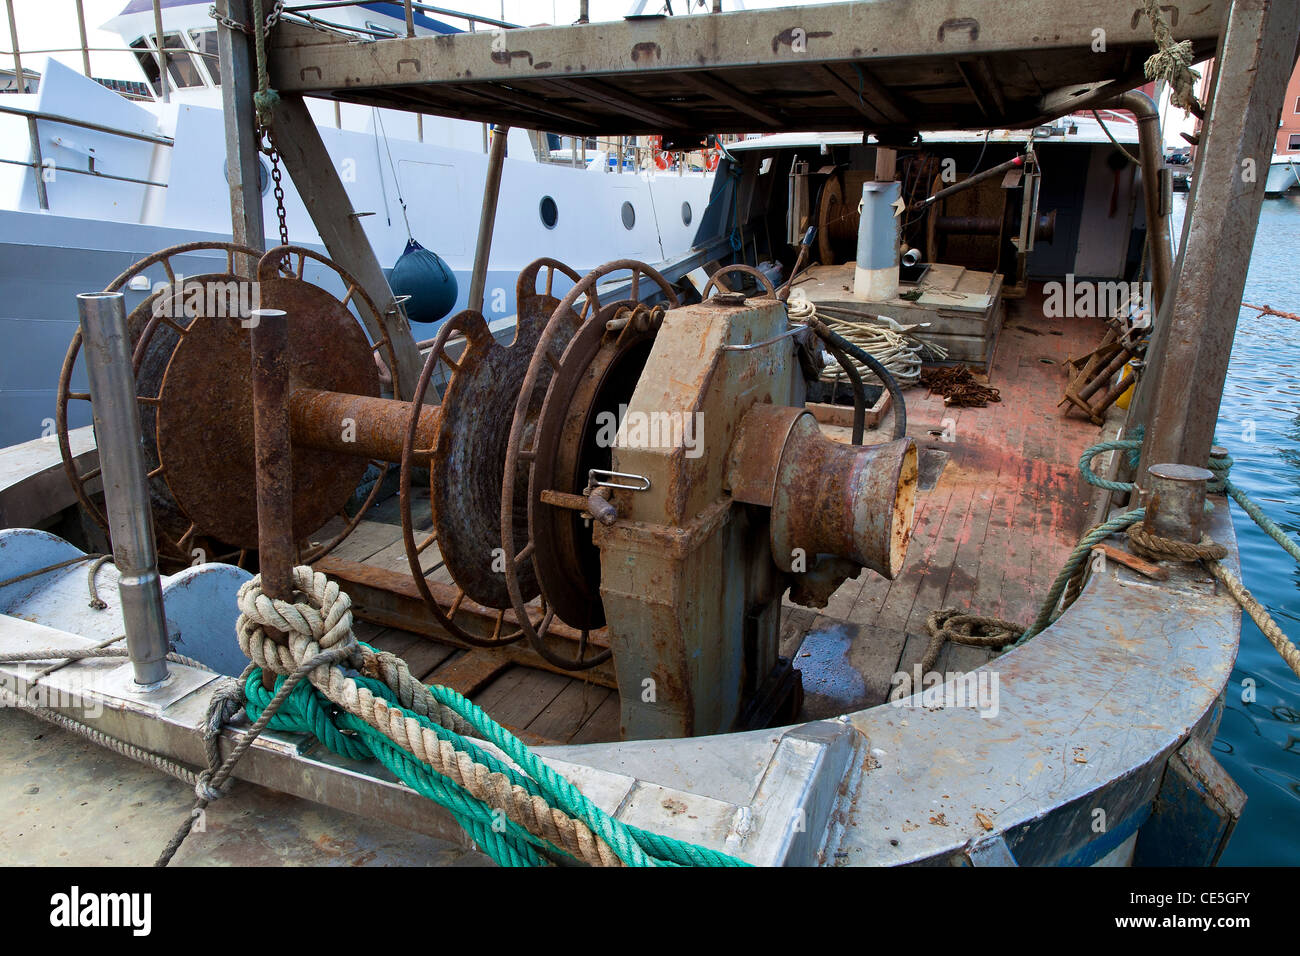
38	163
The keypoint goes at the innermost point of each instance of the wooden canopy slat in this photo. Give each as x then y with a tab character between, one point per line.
875	65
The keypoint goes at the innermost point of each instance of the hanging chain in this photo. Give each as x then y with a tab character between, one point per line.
278	192
230	22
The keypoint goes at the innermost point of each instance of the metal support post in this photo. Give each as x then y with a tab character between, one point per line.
107	348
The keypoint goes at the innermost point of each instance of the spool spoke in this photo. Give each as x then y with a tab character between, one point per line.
420	549
496	630
347	298
80	396
455	605
524	555
156	472
302	265
550	278
167	268
90	475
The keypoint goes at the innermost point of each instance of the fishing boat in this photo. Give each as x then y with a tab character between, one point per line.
888	560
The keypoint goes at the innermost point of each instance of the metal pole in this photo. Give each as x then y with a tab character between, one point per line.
1178	398
18	57
491	192
162	55
410	19
38	163
243	164
1150	147
273	453
85	46
107	348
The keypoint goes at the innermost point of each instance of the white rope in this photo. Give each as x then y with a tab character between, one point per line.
902	354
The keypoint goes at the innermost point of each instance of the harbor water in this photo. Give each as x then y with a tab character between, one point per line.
1259	423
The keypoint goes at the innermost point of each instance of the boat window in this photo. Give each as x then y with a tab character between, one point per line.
686	214
1294	141
182	71
549	212
205	41
629	216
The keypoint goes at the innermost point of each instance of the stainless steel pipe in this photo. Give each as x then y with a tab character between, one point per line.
107	348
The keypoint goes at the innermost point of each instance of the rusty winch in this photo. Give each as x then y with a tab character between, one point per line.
631	481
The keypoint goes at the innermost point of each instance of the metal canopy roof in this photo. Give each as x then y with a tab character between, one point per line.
878	65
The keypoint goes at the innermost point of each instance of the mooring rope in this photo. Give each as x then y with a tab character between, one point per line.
362	703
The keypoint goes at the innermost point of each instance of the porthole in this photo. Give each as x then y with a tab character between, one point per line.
629	216
687	215
549	212
263	175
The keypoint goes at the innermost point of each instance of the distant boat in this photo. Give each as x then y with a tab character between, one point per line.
1283	175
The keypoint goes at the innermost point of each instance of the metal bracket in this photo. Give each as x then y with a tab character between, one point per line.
594	482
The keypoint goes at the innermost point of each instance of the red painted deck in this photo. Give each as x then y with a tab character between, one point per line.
990	536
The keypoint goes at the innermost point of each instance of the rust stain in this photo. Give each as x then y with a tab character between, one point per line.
648	52
507	57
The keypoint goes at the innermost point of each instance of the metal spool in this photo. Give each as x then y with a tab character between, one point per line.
743	269
192	372
468	455
586	361
150	362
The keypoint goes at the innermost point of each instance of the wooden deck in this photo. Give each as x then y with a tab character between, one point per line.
1001	506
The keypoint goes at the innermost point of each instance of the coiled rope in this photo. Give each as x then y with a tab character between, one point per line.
363	703
898	352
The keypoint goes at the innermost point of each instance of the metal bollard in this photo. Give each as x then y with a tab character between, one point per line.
107	348
1175	501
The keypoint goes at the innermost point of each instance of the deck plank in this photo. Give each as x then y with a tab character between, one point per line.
519	695
564	716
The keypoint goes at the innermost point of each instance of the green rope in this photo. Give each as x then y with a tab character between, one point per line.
1219	484
265	98
306	710
1220	467
1091	477
1072	565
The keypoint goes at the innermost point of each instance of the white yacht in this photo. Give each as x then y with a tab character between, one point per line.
96	173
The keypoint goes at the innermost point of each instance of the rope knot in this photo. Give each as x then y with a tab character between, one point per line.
320	621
